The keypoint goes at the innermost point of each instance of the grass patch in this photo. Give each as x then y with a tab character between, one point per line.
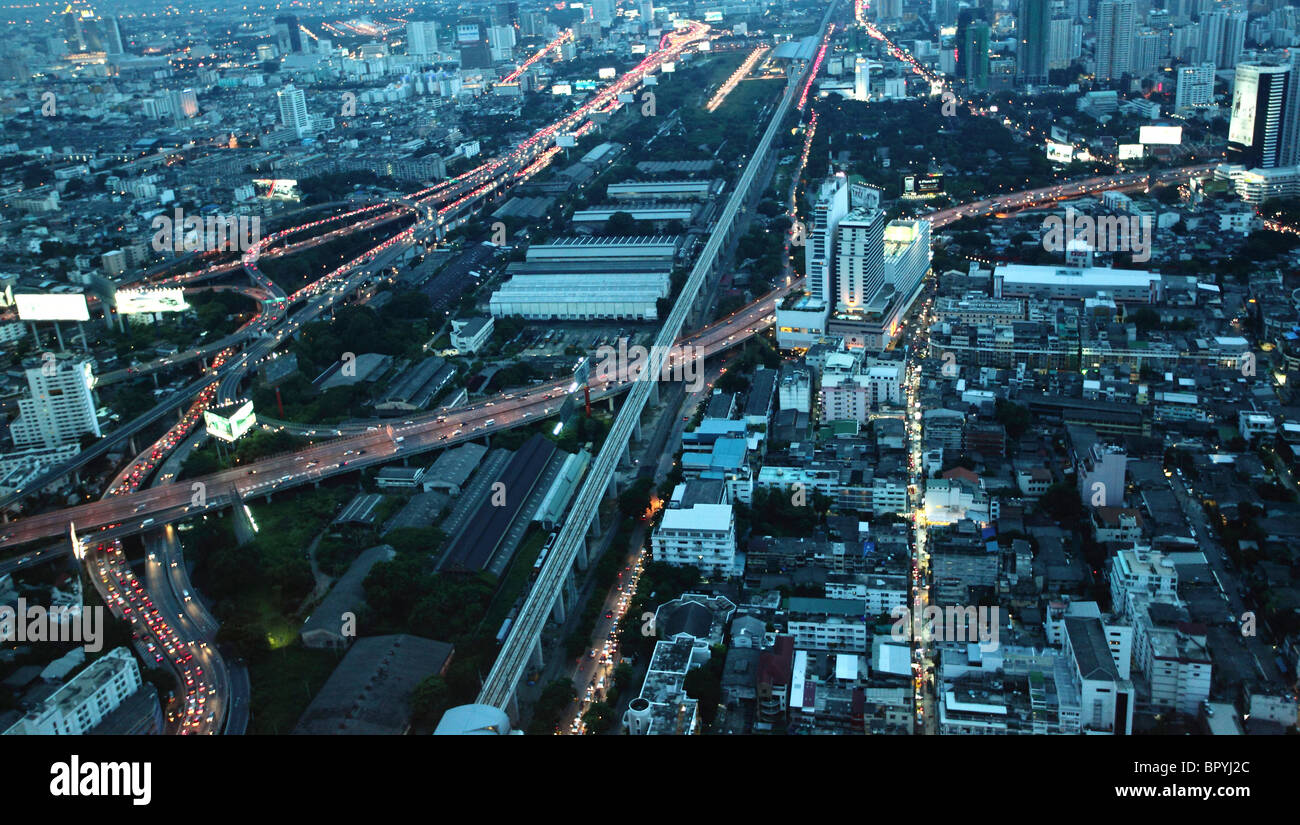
283	684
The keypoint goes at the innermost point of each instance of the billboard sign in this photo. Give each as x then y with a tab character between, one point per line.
1241	126
1131	151
1059	152
51	306
930	184
230	421
133	301
1162	135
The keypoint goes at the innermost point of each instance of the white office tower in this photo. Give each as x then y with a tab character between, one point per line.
1211	28
907	254
60	407
185	104
86	700
1185	44
819	255
603	11
1064	42
1148	48
646	8
293	109
501	39
1195	88
1234	41
422	38
861	78
1116	25
860	258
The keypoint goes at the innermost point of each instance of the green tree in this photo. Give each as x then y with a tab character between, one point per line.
599	718
429	701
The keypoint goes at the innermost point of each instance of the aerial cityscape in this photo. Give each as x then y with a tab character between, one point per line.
650	367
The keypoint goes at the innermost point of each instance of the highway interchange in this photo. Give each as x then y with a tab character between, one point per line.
130	507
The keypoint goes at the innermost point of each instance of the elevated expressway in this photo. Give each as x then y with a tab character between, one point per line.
426	432
523	643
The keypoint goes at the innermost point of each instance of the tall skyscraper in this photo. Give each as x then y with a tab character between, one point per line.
1211	28
112	35
288	35
1032	30
973	48
85	32
1065	42
79	30
1256	132
506	13
889	10
59	408
293	109
502	40
185	104
1194	87
861	78
819	254
472	40
533	24
603	11
1289	155
422	37
1148	48
1234	41
860	258
1115	30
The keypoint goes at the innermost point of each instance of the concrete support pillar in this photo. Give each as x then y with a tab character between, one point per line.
571	588
595	530
535	659
244	532
581	559
512	707
611	403
636	431
558	613
654	394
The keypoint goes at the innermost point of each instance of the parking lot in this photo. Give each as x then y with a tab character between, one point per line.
548	340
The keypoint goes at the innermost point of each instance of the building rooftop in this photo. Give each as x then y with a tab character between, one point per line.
369	692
